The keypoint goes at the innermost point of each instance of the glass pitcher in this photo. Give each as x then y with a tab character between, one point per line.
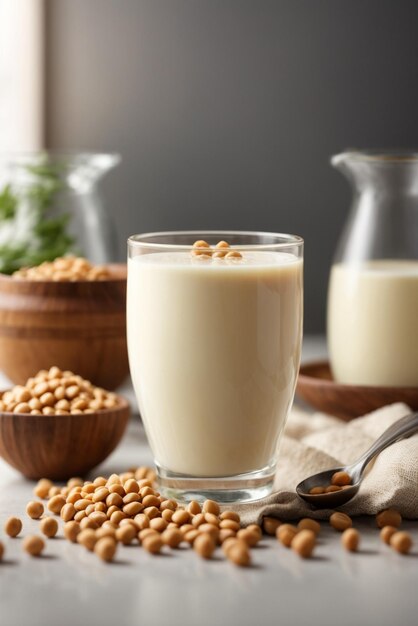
372	325
50	206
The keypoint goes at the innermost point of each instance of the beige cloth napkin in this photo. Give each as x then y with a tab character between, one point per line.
315	442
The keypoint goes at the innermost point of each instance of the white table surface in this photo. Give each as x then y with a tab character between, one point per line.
70	587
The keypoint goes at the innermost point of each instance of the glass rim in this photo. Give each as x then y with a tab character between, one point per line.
382	155
287	240
21	157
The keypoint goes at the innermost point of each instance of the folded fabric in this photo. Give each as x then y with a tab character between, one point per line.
315	442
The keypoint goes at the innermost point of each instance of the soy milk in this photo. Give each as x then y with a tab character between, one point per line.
373	323
214	350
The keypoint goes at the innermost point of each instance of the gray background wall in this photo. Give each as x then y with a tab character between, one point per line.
226	111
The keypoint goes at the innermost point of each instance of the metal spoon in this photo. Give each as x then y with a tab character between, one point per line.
401	429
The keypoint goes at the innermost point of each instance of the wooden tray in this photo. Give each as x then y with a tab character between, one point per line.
318	389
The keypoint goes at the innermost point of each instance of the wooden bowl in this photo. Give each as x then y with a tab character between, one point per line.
317	387
78	326
61	446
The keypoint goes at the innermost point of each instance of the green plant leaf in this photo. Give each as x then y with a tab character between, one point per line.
47	237
8	203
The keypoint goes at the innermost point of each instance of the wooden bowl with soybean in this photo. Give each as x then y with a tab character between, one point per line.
79	326
61	446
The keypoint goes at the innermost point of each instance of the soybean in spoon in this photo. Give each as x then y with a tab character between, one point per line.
403	428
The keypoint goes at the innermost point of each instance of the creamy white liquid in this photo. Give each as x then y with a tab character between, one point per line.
373	323
214	350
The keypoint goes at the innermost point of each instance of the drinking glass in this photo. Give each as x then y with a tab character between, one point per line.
214	350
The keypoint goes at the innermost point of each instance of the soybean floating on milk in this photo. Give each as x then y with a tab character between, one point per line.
206	328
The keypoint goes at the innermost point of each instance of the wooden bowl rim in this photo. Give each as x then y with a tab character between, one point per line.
122	407
119	270
309	379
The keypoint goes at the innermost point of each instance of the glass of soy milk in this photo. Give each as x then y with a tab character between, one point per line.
373	289
214	339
